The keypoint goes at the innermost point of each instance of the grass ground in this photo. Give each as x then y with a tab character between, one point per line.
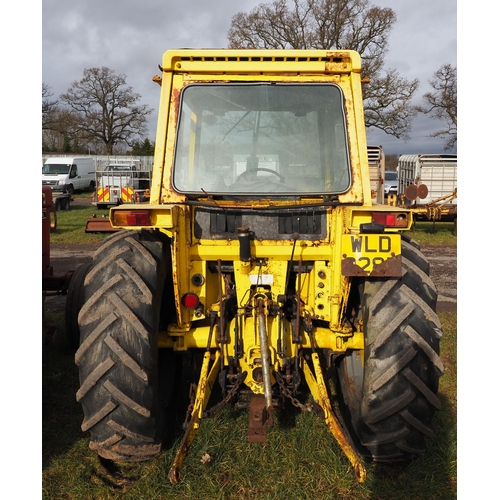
299	461
434	233
70	224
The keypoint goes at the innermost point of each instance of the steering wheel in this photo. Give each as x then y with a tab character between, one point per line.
261	169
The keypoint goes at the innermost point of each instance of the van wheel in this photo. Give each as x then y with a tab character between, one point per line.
390	398
123	402
71	189
91	186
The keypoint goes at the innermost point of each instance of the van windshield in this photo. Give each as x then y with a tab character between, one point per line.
55	168
252	139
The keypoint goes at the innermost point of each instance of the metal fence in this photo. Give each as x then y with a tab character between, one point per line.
100	161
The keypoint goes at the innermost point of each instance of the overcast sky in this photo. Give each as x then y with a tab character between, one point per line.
130	37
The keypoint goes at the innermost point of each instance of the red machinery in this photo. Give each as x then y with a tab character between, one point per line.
51	285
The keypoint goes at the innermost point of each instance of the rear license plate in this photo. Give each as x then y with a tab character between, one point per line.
371	254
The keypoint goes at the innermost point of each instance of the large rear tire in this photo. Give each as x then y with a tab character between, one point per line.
123	402
390	399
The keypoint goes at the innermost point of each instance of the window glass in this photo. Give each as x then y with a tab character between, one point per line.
55	168
261	139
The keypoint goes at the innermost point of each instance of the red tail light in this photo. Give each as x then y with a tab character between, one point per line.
389	219
190	300
131	218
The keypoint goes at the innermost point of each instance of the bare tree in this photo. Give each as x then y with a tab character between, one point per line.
64	134
442	103
107	109
49	108
336	24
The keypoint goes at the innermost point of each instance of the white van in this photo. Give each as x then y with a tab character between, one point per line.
69	173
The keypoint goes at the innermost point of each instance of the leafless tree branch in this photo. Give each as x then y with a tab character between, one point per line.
336	24
108	110
442	103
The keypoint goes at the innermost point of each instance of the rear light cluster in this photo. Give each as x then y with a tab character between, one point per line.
388	219
131	218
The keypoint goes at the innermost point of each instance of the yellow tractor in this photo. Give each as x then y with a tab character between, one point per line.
260	267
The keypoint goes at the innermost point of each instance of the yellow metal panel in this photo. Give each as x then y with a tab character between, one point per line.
161	137
257	60
338	79
272	250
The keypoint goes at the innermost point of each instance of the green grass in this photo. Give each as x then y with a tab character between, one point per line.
83	194
70	227
299	461
434	233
